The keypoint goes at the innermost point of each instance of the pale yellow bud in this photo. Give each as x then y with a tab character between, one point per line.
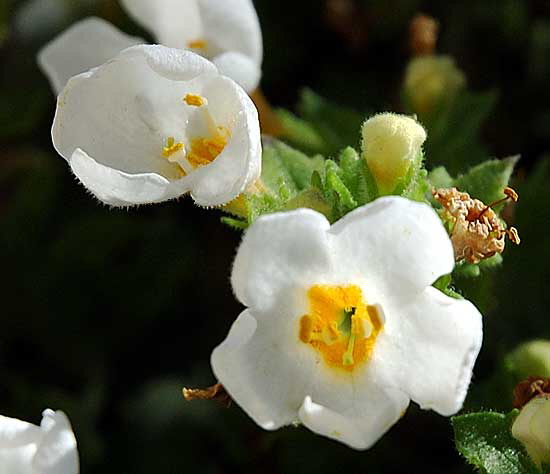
391	145
531	359
430	80
532	428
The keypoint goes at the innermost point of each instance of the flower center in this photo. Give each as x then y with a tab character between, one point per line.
341	326
202	150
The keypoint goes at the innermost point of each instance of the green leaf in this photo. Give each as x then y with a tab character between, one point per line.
282	164
338	126
485	440
487	180
440	178
300	133
236	224
357	176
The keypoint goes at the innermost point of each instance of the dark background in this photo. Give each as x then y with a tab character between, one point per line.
108	313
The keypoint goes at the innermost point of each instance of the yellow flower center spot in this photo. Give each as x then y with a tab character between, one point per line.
172	148
195	100
197	44
340	325
205	150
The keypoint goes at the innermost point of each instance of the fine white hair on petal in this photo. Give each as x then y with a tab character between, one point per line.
112	124
428	349
243	70
394	243
50	448
280	250
85	45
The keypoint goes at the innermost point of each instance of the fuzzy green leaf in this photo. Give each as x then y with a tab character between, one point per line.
487	180
440	178
485	440
300	133
357	176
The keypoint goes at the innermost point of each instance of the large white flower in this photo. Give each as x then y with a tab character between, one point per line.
342	328
155	123
228	33
46	449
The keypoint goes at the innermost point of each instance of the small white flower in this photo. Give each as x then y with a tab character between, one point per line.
228	33
85	45
155	123
46	449
342	327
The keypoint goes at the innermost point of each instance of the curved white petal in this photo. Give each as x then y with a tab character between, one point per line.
112	123
428	349
14	433
393	243
57	453
262	371
232	25
243	70
280	251
174	23
117	188
364	423
83	46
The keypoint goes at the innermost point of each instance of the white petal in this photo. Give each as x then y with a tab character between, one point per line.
239	164
280	251
57	452
243	70
428	349
14	433
393	243
232	25
85	45
173	22
262	370
117	188
112	123
368	418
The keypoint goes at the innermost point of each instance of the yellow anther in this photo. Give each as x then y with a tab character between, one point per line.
340	325
205	150
195	100
197	44
171	147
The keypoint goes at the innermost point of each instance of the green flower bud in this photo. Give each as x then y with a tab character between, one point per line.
532	428
432	81
392	144
530	359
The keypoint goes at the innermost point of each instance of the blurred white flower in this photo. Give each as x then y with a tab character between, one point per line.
155	123
228	33
342	327
46	449
85	45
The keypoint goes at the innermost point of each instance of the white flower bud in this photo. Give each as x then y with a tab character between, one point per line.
391	145
532	428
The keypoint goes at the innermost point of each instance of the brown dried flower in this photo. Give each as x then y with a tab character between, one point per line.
477	232
528	389
215	392
423	31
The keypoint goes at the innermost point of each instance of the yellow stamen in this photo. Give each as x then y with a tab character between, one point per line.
195	100
340	325
197	44
171	147
205	150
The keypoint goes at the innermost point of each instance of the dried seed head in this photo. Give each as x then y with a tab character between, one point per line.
216	393
477	232
528	389
423	31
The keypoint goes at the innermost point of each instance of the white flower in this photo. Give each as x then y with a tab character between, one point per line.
228	33
85	45
532	428
46	449
342	327
155	123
